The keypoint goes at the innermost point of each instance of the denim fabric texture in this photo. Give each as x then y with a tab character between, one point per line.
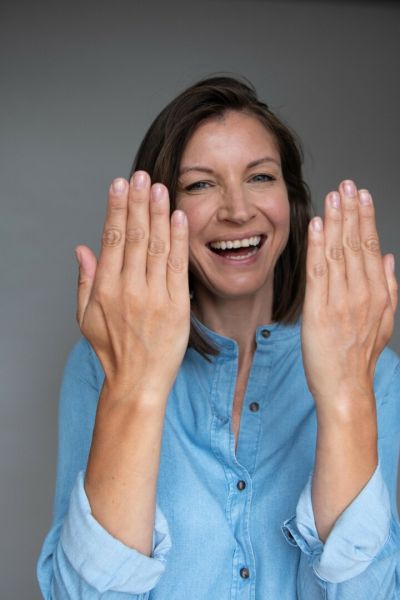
216	538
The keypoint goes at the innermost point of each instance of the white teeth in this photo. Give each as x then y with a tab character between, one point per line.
243	257
252	241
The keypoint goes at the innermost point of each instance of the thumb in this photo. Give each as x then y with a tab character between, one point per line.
87	270
389	266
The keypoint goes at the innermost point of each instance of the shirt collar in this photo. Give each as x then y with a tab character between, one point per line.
265	335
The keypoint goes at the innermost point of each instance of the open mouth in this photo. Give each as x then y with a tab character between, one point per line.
240	253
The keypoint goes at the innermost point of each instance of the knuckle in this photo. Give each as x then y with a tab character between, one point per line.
176	263
139	196
315	241
319	270
179	233
117	204
350	205
156	247
112	236
371	244
335	216
135	234
81	280
336	253
368	215
353	243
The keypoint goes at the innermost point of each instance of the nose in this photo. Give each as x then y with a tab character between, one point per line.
235	206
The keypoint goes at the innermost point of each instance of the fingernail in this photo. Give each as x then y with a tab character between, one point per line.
118	185
317	224
157	192
392	263
139	180
179	217
365	197
349	188
334	200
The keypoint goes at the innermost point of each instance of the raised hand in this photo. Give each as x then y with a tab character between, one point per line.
134	308
133	305
351	297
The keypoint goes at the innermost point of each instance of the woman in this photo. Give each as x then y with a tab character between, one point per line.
230	458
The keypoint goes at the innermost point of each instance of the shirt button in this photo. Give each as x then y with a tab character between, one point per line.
265	333
244	573
254	406
241	484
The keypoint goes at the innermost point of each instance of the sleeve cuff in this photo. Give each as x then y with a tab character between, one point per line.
102	560
358	536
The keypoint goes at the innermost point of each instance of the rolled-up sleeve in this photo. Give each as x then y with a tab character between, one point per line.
103	561
365	536
79	558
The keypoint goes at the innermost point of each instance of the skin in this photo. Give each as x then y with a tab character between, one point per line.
134	308
229	201
348	318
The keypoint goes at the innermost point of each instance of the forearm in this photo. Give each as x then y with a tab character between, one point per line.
122	472
346	458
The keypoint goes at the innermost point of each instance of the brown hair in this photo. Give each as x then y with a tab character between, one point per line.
160	155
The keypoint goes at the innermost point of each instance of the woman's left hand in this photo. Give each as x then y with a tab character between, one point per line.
350	301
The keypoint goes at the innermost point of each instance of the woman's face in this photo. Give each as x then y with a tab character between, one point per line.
232	190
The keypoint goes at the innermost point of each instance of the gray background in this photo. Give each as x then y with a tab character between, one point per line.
80	85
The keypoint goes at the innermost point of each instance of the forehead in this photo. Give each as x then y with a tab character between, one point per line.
232	131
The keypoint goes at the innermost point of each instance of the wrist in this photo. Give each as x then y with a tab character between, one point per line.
348	427
143	391
347	406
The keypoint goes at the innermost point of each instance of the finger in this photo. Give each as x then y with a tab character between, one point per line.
334	251
354	261
374	266
87	271
178	260
113	238
387	319
316	267
159	236
389	267
137	228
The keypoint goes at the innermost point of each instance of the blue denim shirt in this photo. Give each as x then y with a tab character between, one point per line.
229	526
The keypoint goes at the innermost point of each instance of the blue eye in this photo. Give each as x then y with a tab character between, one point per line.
262	178
197	185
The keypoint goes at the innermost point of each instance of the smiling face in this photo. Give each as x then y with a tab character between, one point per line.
232	190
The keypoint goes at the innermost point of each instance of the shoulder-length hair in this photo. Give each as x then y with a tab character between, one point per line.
160	155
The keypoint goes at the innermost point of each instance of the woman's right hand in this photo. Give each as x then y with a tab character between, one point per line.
133	304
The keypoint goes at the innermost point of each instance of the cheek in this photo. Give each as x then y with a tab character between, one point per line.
283	217
279	213
197	220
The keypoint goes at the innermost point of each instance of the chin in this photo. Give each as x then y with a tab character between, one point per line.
237	290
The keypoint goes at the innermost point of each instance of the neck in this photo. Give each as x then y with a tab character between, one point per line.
235	318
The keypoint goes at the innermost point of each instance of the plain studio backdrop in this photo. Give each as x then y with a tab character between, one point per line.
80	85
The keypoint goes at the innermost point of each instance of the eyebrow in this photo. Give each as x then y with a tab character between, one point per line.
253	163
